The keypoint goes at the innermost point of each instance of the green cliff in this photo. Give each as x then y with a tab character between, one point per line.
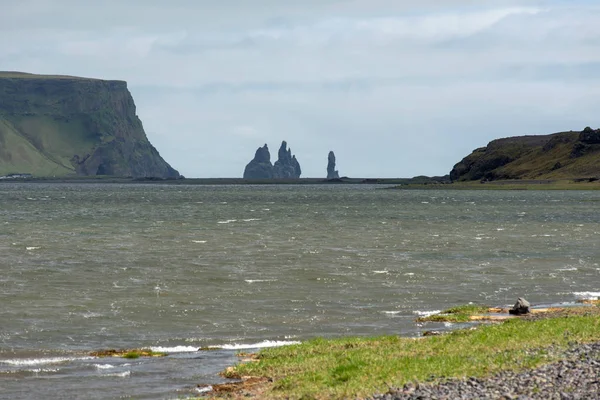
65	126
564	155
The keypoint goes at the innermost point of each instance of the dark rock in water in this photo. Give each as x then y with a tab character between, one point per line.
331	172
521	307
260	167
286	166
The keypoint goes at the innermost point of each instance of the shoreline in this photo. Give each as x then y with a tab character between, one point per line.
273	383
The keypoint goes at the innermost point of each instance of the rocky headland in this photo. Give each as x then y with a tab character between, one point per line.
286	166
563	155
60	126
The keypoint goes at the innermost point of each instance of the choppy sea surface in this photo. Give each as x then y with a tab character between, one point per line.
87	267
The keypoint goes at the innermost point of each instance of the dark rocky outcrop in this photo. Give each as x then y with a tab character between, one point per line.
260	167
331	171
62	125
563	155
286	166
590	136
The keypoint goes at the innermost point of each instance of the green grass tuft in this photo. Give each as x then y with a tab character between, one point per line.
131	354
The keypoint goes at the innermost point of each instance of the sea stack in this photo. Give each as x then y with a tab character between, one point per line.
286	166
331	172
260	167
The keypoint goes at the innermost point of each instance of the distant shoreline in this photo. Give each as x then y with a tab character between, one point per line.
418	183
218	181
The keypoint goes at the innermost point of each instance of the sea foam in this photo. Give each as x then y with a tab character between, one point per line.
174	349
42	361
426	313
587	295
260	345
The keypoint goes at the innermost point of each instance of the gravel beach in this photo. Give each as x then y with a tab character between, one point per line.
577	376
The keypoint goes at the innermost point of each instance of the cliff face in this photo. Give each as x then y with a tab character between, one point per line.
563	155
60	126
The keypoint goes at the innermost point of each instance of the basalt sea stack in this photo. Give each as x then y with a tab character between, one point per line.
260	167
65	126
286	166
331	171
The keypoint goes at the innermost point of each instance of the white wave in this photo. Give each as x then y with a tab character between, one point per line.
426	313
409	274
251	219
381	272
42	370
227	221
199	241
261	345
205	389
174	349
91	314
568	269
32	248
391	312
259	280
104	366
123	374
42	361
587	295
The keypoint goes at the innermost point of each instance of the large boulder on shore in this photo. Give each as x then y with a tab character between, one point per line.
521	307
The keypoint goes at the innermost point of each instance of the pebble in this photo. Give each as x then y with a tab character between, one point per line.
575	377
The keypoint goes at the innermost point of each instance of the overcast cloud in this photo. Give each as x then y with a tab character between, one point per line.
396	88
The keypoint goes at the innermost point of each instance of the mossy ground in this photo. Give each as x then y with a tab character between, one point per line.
359	367
456	314
128	353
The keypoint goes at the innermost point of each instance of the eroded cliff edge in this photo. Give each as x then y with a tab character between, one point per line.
61	126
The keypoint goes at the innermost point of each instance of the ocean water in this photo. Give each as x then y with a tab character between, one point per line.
87	267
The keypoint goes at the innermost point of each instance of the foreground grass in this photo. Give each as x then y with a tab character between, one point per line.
359	367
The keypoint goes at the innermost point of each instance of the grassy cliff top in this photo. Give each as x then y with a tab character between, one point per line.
25	75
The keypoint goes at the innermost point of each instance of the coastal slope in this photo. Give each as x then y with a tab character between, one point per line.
65	126
563	155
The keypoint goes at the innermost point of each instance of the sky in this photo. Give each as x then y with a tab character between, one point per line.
396	88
